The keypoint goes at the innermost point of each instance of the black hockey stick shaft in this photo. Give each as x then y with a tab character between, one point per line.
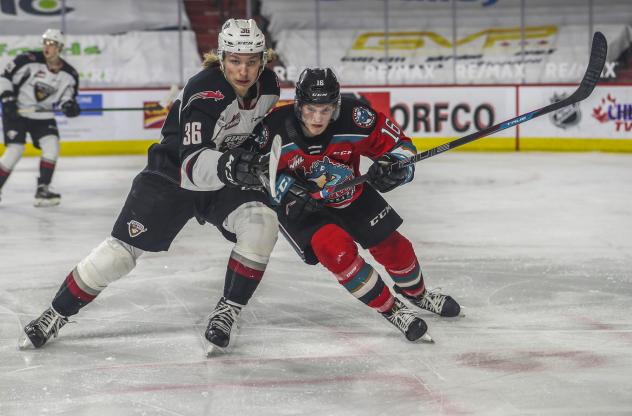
596	63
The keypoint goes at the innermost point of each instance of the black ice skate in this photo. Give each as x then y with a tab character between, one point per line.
435	302
221	323
44	197
39	330
406	321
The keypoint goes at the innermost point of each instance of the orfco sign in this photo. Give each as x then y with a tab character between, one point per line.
434	117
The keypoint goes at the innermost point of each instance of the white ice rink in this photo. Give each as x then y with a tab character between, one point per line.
537	247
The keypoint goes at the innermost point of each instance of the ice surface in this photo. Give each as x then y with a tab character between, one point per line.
537	247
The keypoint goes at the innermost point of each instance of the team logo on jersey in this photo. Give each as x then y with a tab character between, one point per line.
326	173
43	91
262	138
233	140
205	95
295	162
233	121
135	228
363	117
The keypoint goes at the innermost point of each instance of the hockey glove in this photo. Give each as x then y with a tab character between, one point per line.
239	167
70	108
385	176
9	106
294	197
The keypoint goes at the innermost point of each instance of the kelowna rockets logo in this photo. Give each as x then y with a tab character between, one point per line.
326	173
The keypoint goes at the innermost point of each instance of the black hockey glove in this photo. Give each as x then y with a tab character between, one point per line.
294	197
70	108
385	177
239	167
9	106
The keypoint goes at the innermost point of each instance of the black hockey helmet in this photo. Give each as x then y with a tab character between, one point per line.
317	86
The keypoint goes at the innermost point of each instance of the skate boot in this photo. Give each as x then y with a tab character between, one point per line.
434	301
221	323
39	330
406	321
44	197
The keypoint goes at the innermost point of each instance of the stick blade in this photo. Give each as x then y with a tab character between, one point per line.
598	53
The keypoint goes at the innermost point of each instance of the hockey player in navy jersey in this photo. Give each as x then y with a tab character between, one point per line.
324	136
30	86
217	109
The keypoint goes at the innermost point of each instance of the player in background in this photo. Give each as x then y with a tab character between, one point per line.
323	139
30	86
217	109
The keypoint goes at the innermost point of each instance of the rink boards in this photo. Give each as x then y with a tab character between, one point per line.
431	115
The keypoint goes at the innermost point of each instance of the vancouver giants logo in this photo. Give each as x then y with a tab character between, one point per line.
205	95
325	173
363	117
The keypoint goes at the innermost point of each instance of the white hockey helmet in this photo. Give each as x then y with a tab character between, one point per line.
241	36
55	35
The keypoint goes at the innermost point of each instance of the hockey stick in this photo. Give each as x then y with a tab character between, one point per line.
162	104
272	161
596	63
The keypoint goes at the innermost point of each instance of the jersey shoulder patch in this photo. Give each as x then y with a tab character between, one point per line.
208	91
355	115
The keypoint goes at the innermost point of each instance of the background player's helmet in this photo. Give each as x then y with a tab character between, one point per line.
317	86
55	35
241	36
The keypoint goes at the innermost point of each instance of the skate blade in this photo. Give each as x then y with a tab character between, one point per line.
24	343
213	350
42	203
427	339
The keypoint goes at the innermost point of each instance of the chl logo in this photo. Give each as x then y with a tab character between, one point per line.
135	228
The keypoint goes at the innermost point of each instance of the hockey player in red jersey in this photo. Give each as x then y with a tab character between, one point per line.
324	136
217	109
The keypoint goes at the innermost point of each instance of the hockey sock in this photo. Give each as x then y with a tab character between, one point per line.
4	175
73	295
337	251
46	168
242	278
398	257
